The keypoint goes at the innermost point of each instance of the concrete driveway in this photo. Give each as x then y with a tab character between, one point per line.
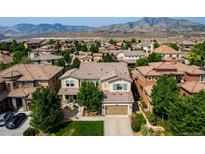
15	132
117	126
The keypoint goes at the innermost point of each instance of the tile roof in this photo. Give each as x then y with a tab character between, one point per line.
94	70
193	87
44	57
148	89
5	58
163	49
68	91
32	72
119	97
21	92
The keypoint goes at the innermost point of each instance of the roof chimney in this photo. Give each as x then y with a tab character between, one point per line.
173	61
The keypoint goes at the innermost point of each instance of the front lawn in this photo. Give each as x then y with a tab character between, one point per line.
80	128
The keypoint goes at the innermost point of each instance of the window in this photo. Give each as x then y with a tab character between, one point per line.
25	84
202	78
119	86
70	83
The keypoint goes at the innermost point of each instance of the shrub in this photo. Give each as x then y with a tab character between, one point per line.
137	121
152	118
146	131
30	132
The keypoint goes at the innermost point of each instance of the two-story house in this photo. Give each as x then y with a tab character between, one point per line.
168	53
46	59
146	77
112	78
21	81
127	56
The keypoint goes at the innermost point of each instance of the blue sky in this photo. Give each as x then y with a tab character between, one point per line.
88	21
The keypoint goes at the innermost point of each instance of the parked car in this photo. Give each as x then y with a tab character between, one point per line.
5	117
16	121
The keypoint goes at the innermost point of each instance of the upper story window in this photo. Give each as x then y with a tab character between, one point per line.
119	86
70	83
202	78
25	84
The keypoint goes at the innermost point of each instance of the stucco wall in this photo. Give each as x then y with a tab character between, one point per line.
76	82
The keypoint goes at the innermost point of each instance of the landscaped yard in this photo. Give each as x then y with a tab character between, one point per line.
80	128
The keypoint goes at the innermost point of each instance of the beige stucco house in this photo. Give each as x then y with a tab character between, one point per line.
20	81
112	78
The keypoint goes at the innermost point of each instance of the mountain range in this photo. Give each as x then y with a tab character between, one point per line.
144	25
149	24
30	29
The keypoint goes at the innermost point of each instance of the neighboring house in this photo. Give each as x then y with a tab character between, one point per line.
129	57
186	46
97	56
5	58
168	53
67	47
21	81
31	45
146	76
46	59
192	87
112	78
84	56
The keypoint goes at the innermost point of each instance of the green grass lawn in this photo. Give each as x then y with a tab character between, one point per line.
80	128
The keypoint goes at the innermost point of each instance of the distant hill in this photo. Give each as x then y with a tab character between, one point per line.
149	24
30	29
2	37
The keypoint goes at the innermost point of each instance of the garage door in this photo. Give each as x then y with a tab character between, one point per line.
116	110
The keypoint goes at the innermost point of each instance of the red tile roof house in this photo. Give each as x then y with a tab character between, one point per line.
5	58
46	59
168	53
191	78
112	78
19	81
127	56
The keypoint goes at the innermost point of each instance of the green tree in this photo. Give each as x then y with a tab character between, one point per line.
67	57
84	47
174	46
94	48
128	45
142	62
156	44
108	58
133	40
154	57
51	41
113	42
187	117
164	93
197	54
60	62
46	112
18	56
90	96
137	121
75	63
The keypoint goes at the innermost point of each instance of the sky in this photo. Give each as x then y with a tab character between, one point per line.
87	21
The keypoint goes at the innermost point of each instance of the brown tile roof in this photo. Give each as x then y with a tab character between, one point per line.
148	89
5	58
118	97
44	57
11	74
32	72
148	71
163	49
94	70
68	91
193	87
22	92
